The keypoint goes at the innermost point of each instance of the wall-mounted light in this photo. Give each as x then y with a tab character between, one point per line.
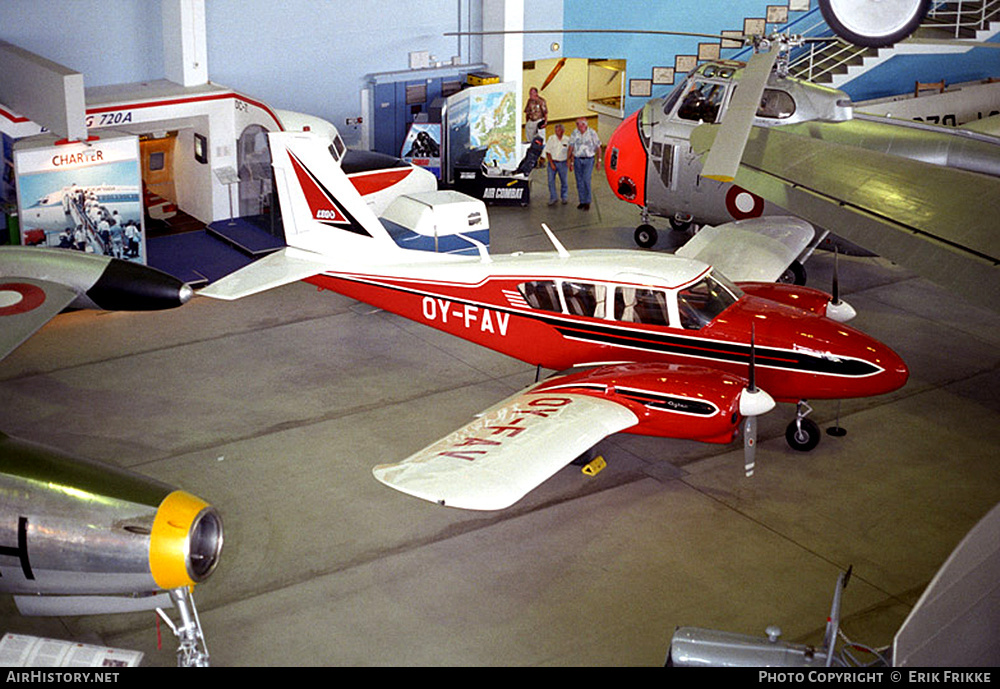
554	47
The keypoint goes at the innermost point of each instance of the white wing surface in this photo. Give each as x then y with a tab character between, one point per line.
758	249
280	268
495	460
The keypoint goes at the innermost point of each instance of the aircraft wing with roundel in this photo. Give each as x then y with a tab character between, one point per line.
498	458
935	220
25	306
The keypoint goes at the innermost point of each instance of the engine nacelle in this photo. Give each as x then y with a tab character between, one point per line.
76	527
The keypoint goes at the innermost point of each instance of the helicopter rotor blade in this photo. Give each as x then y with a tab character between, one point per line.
723	158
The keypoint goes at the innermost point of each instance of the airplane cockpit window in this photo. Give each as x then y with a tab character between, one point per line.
702	102
699	304
719	71
541	294
639	305
776	104
337	148
584	299
671	100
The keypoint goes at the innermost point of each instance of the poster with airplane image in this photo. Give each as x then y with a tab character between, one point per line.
85	196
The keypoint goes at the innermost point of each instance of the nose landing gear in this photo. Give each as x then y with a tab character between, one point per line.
802	434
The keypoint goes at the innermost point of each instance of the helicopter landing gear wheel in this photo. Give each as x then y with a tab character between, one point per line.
802	434
645	236
679	225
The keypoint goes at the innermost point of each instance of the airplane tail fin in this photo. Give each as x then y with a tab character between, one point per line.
321	210
328	226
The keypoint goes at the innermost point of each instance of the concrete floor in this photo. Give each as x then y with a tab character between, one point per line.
275	409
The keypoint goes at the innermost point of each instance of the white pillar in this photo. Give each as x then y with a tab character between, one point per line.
185	48
504	54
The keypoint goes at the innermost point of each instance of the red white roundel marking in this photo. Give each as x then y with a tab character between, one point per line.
741	204
19	297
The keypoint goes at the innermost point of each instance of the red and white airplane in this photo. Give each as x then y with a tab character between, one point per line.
646	343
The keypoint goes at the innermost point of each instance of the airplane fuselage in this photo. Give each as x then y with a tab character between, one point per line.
560	313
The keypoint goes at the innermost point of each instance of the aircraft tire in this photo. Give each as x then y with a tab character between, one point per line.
794	275
680	225
873	34
805	439
645	236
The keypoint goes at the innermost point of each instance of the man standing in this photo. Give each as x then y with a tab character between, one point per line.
536	112
556	153
584	152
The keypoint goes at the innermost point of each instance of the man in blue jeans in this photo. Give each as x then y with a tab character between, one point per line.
556	154
584	152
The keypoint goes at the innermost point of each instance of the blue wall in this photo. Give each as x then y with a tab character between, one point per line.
643	52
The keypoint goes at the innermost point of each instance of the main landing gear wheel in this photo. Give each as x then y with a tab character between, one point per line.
645	236
795	274
802	435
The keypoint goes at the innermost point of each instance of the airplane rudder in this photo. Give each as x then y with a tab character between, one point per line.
316	192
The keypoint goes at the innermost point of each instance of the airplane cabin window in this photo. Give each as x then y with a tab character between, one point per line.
337	148
699	304
584	299
638	305
776	104
541	294
702	103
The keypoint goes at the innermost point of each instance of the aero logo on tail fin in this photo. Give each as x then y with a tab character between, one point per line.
323	206
321	209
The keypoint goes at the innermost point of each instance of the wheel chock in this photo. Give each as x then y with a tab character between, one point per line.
594	466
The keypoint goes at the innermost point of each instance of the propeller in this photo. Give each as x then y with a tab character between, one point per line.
836	309
753	403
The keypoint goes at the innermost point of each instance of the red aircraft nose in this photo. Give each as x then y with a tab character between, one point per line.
803	355
894	374
625	162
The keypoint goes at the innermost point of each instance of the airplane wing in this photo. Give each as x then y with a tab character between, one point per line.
25	306
937	221
274	270
754	250
495	460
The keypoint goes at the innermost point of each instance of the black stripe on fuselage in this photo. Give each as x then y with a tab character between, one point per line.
648	398
659	342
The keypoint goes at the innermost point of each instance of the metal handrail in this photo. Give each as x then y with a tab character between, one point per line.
815	59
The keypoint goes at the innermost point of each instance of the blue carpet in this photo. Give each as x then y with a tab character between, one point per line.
194	257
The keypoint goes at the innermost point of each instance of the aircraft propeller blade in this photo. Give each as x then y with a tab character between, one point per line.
753	402
724	157
836	277
749	444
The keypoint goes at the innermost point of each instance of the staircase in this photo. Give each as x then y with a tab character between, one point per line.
836	62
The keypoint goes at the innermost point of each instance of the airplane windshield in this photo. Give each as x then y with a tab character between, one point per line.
699	304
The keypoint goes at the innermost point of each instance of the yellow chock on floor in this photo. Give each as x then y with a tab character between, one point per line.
594	466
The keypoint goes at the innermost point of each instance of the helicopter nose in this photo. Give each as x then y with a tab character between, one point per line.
625	162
